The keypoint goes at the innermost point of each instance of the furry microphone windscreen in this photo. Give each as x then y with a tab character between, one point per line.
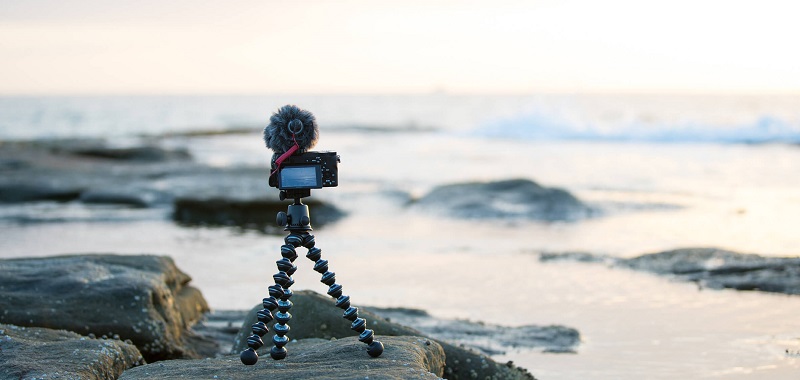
291	120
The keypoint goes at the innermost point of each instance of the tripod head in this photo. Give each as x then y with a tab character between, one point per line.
295	218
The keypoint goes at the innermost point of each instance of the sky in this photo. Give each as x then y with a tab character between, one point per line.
408	46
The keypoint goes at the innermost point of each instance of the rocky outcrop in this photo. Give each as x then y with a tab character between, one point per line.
718	268
709	267
488	338
315	316
131	308
144	299
404	357
88	173
509	199
39	353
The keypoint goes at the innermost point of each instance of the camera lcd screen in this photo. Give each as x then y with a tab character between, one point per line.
300	177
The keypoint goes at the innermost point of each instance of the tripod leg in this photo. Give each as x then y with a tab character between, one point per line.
281	293
374	347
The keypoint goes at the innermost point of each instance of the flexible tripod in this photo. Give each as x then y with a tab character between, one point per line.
297	221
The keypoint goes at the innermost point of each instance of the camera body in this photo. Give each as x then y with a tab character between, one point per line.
305	171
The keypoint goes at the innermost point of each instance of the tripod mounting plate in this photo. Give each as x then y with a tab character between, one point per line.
294	194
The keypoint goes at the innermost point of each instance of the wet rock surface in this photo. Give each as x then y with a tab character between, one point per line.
132	308
315	316
405	357
718	269
40	353
488	338
709	267
509	199
89	174
145	299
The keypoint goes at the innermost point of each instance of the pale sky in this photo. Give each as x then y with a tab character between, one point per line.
408	46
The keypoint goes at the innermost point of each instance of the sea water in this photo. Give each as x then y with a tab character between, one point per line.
665	171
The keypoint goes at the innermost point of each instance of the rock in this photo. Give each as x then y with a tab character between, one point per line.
256	214
15	192
516	198
92	173
238	197
717	269
466	364
710	267
488	338
316	316
220	327
135	153
404	357
142	298
39	353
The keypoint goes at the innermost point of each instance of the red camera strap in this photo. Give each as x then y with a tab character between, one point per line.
285	155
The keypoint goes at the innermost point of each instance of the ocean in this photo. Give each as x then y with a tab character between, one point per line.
664	171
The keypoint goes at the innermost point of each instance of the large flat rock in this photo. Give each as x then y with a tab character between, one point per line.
709	267
39	353
143	298
316	316
404	357
719	268
488	338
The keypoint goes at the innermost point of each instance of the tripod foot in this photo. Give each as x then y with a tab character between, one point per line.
249	356
375	349
278	353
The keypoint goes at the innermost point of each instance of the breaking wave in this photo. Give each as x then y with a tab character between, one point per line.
764	129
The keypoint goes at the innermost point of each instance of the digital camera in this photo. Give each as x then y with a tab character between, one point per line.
305	171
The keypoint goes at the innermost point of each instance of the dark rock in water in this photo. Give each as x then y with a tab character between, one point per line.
39	353
717	268
137	153
710	267
235	197
11	192
404	357
315	316
142	177
142	298
254	213
489	338
516	198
